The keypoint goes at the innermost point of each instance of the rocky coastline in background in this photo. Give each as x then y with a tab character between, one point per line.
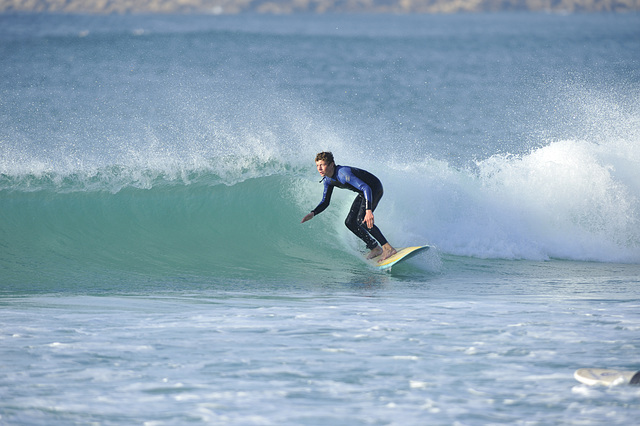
314	6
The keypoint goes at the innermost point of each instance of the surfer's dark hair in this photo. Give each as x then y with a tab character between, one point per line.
325	156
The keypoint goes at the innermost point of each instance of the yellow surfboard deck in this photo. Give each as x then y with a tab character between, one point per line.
402	254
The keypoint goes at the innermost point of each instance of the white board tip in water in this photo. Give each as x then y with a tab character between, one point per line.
606	377
402	254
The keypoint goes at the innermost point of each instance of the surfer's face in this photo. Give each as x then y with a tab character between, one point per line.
325	169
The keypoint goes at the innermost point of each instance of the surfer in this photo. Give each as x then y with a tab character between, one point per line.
369	189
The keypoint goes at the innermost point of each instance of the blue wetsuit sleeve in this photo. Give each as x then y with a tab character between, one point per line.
326	199
346	176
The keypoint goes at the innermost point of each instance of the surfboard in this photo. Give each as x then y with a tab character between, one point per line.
605	377
402	254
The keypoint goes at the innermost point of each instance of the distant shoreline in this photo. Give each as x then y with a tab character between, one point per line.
284	7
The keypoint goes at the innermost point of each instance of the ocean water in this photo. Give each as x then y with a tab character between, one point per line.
154	171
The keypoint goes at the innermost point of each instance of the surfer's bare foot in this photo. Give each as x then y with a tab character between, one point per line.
375	252
387	252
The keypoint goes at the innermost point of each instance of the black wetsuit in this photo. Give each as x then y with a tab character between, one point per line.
369	189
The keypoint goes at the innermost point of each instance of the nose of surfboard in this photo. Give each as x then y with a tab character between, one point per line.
606	377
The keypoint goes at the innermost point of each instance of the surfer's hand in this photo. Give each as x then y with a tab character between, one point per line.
368	219
307	217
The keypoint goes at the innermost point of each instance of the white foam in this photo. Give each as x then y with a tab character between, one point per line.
570	199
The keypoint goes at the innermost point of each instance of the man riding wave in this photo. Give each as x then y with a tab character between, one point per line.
369	189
